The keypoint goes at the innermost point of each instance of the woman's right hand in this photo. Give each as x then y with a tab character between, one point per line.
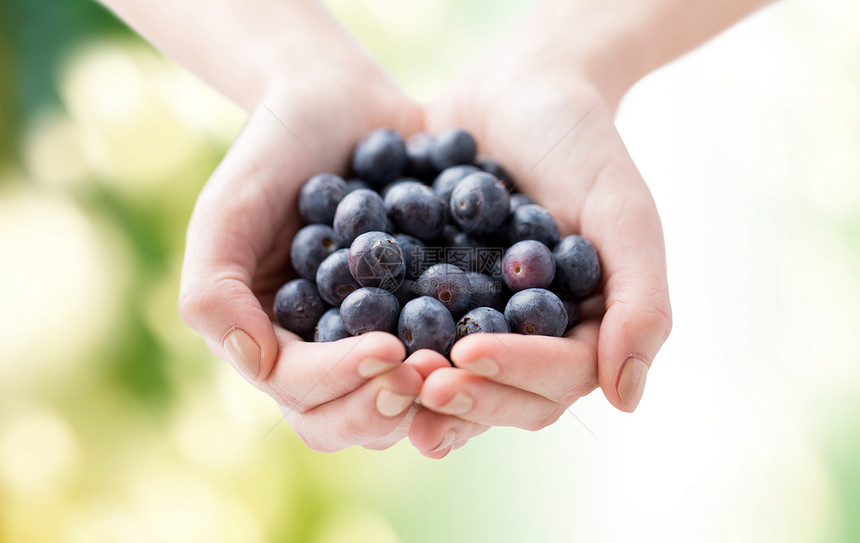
355	391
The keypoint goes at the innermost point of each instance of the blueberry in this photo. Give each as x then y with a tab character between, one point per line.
465	252
376	260
495	271
528	264
577	266
379	157
454	147
536	311
355	184
445	182
479	204
485	291
482	320
419	148
518	200
298	306
408	290
319	197
330	327
311	245
426	324
369	309
492	166
385	190
334	280
531	221
449	234
448	284
360	211
572	313
415	210
413	255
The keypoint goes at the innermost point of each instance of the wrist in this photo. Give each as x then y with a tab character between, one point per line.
610	48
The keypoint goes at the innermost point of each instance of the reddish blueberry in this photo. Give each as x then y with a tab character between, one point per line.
528	264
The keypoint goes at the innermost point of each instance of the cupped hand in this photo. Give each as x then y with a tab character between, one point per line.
554	130
350	392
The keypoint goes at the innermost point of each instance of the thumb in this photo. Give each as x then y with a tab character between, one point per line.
234	221
638	315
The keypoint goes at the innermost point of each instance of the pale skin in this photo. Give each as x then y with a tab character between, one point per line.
542	101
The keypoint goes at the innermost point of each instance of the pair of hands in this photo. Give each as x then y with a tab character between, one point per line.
551	125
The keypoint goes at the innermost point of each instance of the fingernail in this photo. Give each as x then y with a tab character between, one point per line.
485	367
371	367
459	404
631	382
390	403
446	442
243	352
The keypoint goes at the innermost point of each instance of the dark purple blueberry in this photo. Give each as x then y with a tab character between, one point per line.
536	311
319	197
415	210
330	327
408	290
482	320
445	182
492	166
389	186
449	234
360	211
355	184
528	264
448	284
468	253
495	271
376	260
577	266
486	291
311	245
572	313
479	204
426	324
454	147
334	280
531	221
419	148
379	157
298	306
369	309
413	255
518	200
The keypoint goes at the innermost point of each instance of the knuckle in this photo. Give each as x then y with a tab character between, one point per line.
285	399
660	313
314	442
192	305
545	419
496	410
353	427
577	391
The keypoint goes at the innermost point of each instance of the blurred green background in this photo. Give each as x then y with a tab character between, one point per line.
117	425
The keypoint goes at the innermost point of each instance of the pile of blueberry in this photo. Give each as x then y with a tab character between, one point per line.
430	244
